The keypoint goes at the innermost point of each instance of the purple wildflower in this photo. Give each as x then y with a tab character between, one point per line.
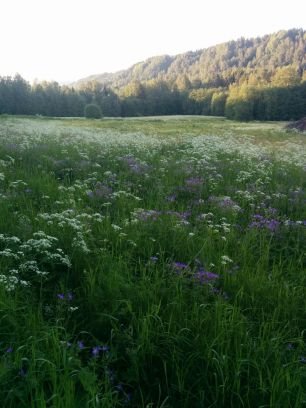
146	215
271	211
225	203
215	291
61	296
101	190
96	351
81	345
194	182
134	164
205	277
261	222
179	266
181	215
9	350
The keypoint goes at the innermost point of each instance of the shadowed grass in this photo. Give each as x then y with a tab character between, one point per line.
151	263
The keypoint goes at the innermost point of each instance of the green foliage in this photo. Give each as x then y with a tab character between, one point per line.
286	76
218	102
201	99
269	103
93	111
240	103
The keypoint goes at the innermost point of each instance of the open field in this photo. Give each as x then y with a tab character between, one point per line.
152	262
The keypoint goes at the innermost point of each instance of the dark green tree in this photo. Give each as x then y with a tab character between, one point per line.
92	111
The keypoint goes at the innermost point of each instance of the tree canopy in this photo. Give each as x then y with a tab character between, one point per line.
259	78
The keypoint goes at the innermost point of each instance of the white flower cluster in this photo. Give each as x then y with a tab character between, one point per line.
80	224
27	258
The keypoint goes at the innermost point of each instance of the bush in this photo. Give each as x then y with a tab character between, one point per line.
92	111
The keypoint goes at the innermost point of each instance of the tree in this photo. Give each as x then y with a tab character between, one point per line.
93	111
200	100
182	82
218	101
240	103
286	76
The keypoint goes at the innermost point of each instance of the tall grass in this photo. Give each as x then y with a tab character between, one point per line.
152	263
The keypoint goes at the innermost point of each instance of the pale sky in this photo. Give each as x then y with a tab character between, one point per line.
65	40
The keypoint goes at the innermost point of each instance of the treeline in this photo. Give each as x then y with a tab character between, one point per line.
284	98
18	97
259	95
266	103
262	78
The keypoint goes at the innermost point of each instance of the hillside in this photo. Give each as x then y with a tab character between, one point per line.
219	65
248	79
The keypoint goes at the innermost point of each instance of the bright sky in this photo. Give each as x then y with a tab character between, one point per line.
65	40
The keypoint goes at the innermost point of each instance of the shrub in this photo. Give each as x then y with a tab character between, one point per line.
92	111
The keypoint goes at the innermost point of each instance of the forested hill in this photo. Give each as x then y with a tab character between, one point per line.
261	78
220	65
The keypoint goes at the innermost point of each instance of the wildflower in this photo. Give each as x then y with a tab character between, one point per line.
116	227
226	260
179	266
215	291
61	296
302	359
171	198
96	351
205	277
70	296
194	182
261	222
9	350
80	345
73	309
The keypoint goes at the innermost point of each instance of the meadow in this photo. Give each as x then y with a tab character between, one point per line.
152	262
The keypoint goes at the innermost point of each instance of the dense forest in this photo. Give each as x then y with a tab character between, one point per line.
262	78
